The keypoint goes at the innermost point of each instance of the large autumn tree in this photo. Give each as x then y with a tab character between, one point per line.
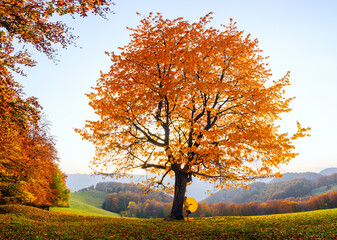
189	100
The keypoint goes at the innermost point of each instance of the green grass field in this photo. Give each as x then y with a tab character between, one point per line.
86	203
93	198
21	222
77	207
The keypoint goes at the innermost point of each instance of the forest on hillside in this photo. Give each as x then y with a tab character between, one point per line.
130	200
262	192
323	201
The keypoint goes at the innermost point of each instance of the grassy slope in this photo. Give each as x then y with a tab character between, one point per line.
77	207
86	203
93	198
19	222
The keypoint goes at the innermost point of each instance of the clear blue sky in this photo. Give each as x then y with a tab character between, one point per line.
299	36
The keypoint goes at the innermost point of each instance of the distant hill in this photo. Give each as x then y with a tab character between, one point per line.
76	182
291	176
328	171
262	192
306	175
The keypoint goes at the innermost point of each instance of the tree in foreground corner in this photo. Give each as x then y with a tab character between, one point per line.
186	100
33	22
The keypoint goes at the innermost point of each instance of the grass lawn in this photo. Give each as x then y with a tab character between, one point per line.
94	198
21	222
77	207
87	203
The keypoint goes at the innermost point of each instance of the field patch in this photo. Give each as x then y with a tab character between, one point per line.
77	207
93	198
19	222
88	203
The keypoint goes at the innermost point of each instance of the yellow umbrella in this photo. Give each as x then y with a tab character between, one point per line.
193	204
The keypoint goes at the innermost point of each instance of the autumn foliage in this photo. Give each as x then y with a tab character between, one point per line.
189	100
30	22
28	159
323	201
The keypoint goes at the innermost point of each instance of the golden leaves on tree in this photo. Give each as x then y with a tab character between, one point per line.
186	98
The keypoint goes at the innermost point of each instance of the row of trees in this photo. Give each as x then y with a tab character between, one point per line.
148	209
121	195
131	201
136	205
323	201
131	188
28	159
29	173
152	208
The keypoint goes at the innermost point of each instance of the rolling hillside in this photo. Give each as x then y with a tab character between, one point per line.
262	192
328	171
291	176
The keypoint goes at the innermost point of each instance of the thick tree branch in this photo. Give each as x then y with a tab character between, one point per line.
148	137
149	165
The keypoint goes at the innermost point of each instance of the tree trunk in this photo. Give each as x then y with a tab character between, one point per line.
181	180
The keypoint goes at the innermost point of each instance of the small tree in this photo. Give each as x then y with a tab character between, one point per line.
63	194
189	101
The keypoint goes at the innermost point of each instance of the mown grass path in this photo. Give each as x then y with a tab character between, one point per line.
18	222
